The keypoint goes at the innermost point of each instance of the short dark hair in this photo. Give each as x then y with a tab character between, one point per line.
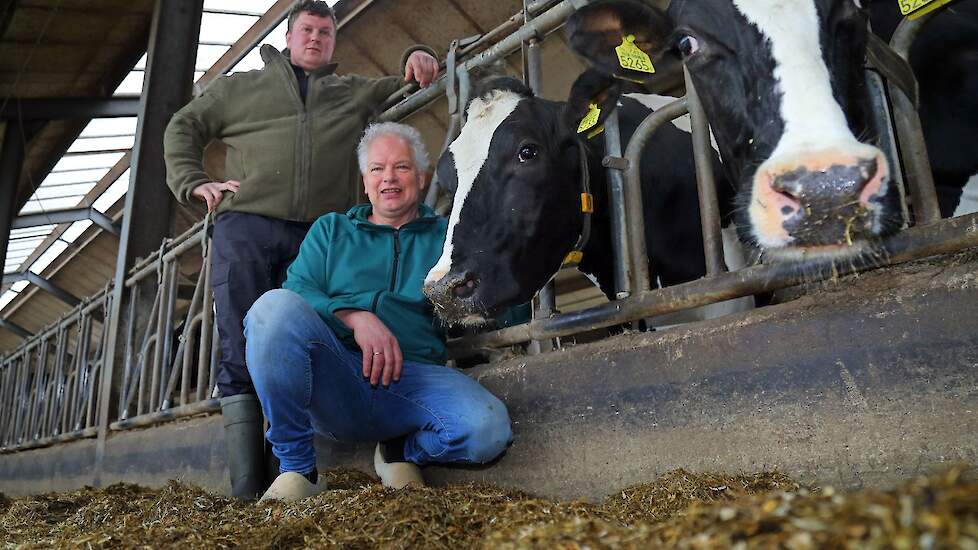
313	7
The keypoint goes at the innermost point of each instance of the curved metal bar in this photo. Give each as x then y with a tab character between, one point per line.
633	189
909	133
705	180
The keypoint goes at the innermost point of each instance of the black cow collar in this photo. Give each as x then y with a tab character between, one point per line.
587	208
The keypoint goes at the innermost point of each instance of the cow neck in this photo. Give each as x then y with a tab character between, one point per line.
587	208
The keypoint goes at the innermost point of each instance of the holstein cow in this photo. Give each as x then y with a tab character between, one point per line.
782	84
519	167
945	59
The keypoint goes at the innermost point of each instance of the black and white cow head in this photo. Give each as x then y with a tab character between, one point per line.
501	214
782	84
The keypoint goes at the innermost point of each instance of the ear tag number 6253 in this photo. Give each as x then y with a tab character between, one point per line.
632	57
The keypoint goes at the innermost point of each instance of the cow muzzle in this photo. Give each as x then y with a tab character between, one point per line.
454	297
826	201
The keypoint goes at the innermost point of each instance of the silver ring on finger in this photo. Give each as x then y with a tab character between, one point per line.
378	353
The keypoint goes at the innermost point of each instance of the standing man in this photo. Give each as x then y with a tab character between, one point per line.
290	131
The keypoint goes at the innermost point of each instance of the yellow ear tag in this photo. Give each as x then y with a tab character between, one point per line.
590	119
633	58
574	257
919	7
587	203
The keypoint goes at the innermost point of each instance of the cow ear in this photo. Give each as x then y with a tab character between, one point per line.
592	98
445	173
627	39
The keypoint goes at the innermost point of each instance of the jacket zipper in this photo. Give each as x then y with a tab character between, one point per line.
397	254
298	210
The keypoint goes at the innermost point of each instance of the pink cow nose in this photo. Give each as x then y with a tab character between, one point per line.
822	201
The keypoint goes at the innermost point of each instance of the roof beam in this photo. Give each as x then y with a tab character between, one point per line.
43	284
66	216
59	108
11	163
15	328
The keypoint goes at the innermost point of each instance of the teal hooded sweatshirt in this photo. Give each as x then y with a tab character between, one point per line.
347	262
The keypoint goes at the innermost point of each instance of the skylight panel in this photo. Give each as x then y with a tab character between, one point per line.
73	176
86	144
36	206
110	126
55	191
113	193
6	298
254	6
51	254
131	84
87	161
25	244
75	231
28	232
221	27
207	55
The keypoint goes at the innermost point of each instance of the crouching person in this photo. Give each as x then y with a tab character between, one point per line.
350	349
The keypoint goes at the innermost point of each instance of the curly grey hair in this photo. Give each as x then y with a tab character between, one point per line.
403	131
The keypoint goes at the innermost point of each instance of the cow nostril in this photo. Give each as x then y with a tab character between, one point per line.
464	288
787	199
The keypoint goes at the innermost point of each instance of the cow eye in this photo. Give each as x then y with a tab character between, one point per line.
528	152
688	45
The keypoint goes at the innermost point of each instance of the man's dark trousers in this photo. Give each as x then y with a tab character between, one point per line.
250	256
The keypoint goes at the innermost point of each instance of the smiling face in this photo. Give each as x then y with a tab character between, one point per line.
392	181
311	41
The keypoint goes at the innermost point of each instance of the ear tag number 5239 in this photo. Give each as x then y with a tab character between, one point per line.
633	58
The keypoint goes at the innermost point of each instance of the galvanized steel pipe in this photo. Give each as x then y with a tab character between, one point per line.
909	132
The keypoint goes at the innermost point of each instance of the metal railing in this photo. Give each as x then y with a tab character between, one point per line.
171	354
49	385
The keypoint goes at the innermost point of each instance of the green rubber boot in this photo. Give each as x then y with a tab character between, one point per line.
245	445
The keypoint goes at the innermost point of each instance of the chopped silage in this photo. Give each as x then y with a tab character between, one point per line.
678	510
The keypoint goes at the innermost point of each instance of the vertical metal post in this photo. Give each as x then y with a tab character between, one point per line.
886	140
215	357
909	133
39	392
172	52
204	353
23	369
165	330
131	353
705	181
620	234
547	297
11	162
5	371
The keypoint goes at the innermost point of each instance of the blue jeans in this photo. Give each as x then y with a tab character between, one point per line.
308	382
